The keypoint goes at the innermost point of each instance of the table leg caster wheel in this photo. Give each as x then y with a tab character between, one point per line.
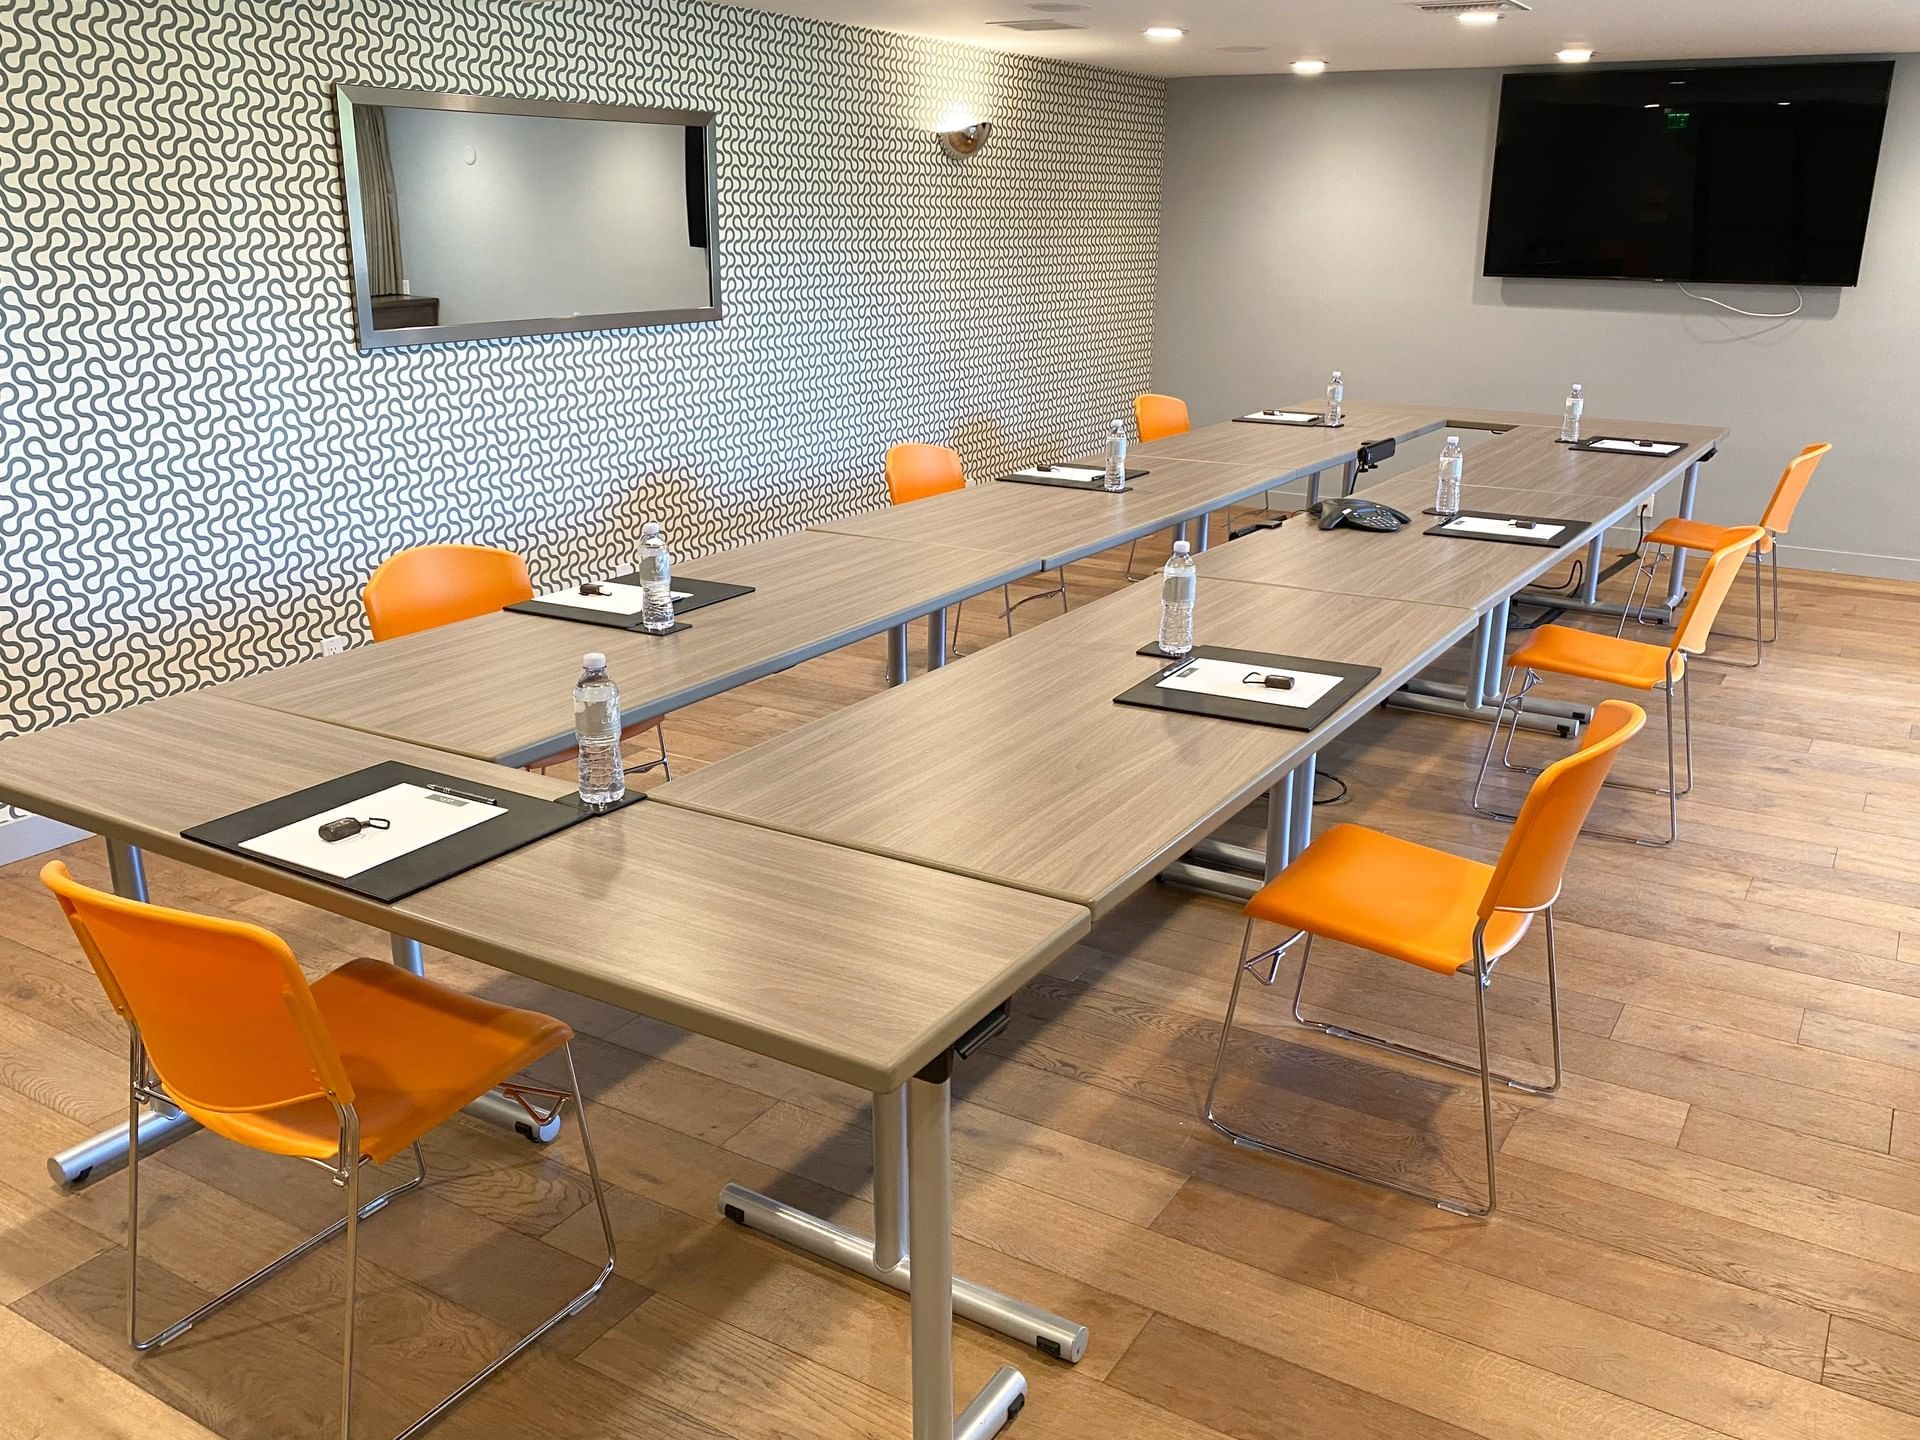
540	1134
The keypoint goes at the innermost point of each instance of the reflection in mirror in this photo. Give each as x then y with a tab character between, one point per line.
476	218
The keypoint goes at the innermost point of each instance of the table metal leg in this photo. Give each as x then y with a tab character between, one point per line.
1590	580
1349	477
1236	872
936	639
930	1221
1300	828
889	1257
897	655
1689	492
1202	528
1469	701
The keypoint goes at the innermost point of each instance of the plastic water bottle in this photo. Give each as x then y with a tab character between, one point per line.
1446	492
1570	417
1178	584
656	579
596	732
1336	402
1116	476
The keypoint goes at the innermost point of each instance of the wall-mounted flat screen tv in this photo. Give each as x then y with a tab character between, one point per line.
1734	175
472	217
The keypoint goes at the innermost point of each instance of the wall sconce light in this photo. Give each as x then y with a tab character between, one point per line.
965	140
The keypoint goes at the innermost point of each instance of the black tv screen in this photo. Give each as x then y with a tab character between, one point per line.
1733	175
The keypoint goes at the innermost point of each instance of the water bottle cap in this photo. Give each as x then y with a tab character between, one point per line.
651	530
1453	439
1181	547
1336	374
593	660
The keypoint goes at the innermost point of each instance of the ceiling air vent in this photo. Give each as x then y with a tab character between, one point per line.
1034	25
1461	7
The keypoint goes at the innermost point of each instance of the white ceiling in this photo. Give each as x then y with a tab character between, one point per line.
1389	34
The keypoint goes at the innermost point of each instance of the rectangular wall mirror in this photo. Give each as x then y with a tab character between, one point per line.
472	218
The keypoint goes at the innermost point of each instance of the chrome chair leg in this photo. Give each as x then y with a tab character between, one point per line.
1646	568
1482	974
1773	564
141	1091
1508	696
346	1172
573	1306
662	764
1433	1057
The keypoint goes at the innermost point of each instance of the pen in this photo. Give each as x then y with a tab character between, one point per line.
462	795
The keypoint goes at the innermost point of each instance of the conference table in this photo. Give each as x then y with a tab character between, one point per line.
764	940
911	860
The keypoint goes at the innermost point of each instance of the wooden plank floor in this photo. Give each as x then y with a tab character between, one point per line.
1713	1230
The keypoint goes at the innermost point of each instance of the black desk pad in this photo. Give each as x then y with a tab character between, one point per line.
1568	528
1092	487
1148	694
700	593
1668	448
528	818
1275	419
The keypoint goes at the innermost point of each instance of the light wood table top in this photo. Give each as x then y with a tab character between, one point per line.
1056	527
498	687
845	963
1298	450
1524	472
1015	765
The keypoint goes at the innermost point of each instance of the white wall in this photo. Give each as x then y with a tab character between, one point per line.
1339	222
552	217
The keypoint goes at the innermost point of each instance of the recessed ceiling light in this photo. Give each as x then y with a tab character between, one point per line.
1165	33
1309	67
1651	105
1573	57
1783	102
1478	17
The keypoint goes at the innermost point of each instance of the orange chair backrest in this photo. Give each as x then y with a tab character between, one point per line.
916	471
1716	579
1158	416
438	584
227	1018
1527	875
1793	484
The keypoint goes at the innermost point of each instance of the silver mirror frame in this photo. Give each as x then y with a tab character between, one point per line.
348	97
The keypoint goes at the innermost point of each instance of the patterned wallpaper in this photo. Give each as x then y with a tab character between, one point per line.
200	469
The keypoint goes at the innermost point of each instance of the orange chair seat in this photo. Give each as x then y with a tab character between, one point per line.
1632	664
1699	535
416	1053
1391	896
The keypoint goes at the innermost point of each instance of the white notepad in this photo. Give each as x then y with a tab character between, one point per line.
1079	474
1505	529
1637	447
619	599
1285	417
1228	679
417	815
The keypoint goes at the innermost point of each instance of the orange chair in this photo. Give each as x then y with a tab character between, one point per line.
1156	417
1679	534
1630	664
918	472
349	1071
1438	911
433	585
